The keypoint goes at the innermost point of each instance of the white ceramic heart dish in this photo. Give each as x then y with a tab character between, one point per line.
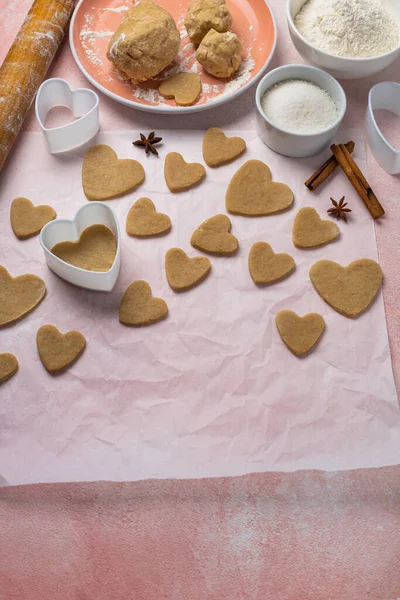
84	105
62	230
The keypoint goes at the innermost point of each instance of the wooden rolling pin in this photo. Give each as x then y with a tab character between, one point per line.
26	64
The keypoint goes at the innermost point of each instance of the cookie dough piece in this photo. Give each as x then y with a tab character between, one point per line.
58	351
183	272
144	221
203	15
8	366
104	176
251	192
220	54
218	149
28	220
180	175
145	43
300	334
349	290
214	237
94	251
18	295
138	307
310	231
185	88
266	267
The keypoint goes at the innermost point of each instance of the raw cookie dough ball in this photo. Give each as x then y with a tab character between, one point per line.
145	43
220	54
203	15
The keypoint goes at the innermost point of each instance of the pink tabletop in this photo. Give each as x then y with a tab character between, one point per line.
305	535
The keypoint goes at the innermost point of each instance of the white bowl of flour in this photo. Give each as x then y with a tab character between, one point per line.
351	39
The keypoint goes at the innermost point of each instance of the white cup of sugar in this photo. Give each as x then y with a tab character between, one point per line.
305	108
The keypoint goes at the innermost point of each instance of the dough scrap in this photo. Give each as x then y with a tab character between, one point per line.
18	295
251	192
184	87
180	175
145	43
349	290
8	366
214	237
94	251
310	231
28	220
219	149
105	176
299	334
138	307
266	267
183	272
58	351
144	221
203	15
220	54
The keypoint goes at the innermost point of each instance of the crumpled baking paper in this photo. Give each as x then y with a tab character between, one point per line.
212	390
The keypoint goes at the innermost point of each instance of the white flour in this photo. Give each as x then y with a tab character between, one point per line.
96	34
352	28
242	76
299	106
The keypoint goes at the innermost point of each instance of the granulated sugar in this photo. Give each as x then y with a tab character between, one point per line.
299	106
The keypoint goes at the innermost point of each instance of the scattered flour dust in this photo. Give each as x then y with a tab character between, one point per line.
118	9
242	76
96	34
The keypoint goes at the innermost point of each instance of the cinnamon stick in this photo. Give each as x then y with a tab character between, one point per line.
325	170
357	180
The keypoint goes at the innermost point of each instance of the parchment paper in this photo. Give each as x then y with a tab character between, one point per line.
211	391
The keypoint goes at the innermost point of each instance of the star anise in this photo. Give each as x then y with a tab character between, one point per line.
148	143
339	209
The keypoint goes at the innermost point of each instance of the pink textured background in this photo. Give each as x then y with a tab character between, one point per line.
301	536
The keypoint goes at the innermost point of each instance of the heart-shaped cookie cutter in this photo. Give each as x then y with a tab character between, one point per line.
61	230
385	95
84	105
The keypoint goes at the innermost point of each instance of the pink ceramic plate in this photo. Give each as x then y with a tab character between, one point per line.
94	21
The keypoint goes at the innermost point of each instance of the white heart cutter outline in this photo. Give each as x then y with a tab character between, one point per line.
384	95
84	105
61	230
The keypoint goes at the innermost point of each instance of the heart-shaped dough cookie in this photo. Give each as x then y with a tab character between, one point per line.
27	220
138	307
309	230
18	295
349	290
144	221
300	334
184	87
105	176
94	251
214	237
58	351
8	366
266	267
252	193
180	175
183	272
219	149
